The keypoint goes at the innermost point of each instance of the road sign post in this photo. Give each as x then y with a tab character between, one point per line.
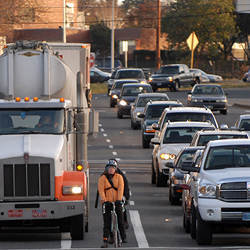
192	42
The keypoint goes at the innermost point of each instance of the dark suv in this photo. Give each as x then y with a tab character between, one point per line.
128	95
152	113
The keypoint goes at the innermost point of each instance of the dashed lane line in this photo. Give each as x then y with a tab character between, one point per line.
105	135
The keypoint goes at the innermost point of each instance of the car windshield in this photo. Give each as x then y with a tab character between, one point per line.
123	74
245	124
32	121
169	70
185	156
190	116
155	111
118	85
135	90
207	90
180	134
228	157
204	139
144	100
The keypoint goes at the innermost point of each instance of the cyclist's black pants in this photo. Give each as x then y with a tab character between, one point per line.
106	210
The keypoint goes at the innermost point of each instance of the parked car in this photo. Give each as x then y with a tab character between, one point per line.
219	191
201	138
128	95
97	75
243	123
176	176
209	95
246	77
173	76
151	114
210	77
173	138
175	114
202	76
140	102
115	91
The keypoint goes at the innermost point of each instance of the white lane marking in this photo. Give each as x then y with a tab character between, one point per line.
114	153
111	146
108	140
100	125
102	130
65	242
138	229
131	203
105	135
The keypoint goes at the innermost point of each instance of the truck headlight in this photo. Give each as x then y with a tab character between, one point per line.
72	189
167	156
207	191
170	78
123	103
223	100
150	79
114	96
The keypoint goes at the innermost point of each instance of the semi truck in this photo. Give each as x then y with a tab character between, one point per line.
43	136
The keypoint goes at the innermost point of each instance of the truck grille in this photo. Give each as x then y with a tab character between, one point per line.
26	180
234	191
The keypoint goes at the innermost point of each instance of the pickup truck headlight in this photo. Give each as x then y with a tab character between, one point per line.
167	156
72	190
170	78
123	103
114	96
207	191
224	100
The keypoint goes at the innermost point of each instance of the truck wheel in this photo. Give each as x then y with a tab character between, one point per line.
193	223
203	231
153	177
77	227
176	85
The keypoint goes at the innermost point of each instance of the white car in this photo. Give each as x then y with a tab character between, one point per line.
243	123
210	77
173	138
219	188
140	102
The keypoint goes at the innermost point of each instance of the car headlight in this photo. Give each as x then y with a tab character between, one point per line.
170	78
72	189
114	96
143	82
149	129
123	103
150	79
194	100
207	191
223	100
167	156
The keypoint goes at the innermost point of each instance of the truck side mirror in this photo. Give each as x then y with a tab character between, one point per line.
155	126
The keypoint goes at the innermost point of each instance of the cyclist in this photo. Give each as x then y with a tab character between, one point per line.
111	188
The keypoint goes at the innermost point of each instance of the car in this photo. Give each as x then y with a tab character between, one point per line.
176	176
115	90
246	77
97	75
209	95
111	81
210	77
203	78
173	76
201	138
243	123
128	95
140	102
173	138
219	189
175	114
151	114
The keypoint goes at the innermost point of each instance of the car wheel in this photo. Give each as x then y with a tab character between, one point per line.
145	143
176	85
160	179
133	125
153	177
119	115
172	199
186	222
193	223
224	112
203	231
77	227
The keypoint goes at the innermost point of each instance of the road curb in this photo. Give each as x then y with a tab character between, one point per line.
240	105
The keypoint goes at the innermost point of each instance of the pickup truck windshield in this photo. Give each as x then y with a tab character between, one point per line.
228	157
171	70
190	116
31	121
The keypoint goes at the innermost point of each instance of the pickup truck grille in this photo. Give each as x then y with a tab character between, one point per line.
234	191
26	180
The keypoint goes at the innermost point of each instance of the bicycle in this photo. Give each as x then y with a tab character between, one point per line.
114	228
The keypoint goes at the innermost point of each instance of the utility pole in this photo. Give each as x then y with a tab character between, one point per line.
64	21
112	37
158	35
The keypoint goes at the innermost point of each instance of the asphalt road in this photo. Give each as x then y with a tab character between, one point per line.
154	223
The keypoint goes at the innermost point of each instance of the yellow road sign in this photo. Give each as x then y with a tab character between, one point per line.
192	41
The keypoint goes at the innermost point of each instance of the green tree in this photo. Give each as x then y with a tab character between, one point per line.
213	21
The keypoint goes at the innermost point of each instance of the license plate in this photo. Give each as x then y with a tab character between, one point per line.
246	216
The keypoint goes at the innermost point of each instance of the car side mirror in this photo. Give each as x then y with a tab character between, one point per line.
155	126
155	141
141	115
170	165
188	166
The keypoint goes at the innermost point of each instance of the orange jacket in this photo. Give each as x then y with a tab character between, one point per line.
111	194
